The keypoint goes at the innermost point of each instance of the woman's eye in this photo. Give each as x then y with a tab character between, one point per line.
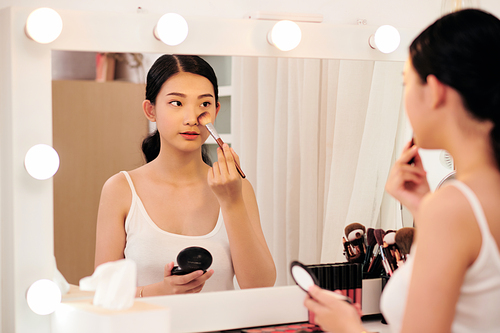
206	104
175	103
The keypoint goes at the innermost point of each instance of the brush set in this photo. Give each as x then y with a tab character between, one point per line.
381	252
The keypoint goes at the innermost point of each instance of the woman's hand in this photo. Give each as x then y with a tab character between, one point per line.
223	177
331	313
183	284
408	182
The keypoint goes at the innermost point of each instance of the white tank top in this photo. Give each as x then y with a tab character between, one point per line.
478	306
152	248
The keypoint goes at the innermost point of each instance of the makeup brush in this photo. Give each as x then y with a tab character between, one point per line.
391	247
410	162
370	244
206	120
379	236
404	240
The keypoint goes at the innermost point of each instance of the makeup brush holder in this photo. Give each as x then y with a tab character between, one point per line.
349	279
192	259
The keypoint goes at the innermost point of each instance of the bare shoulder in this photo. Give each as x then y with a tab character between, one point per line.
115	184
446	218
116	194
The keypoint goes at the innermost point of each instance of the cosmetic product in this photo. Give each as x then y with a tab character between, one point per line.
404	240
391	248
379	236
358	292
192	259
206	120
371	242
354	245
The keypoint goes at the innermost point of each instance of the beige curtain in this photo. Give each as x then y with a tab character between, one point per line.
316	139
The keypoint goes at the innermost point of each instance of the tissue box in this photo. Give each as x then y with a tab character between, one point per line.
81	316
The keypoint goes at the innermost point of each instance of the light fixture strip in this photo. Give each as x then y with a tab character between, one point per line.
310	18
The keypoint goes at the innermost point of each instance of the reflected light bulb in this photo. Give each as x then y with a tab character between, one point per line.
41	161
171	29
285	35
43	25
386	39
43	297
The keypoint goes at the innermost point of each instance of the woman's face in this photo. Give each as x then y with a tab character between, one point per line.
414	100
181	100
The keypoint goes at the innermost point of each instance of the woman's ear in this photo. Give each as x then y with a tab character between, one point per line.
437	91
217	109
149	110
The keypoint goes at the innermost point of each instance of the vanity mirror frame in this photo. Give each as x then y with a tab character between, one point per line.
26	210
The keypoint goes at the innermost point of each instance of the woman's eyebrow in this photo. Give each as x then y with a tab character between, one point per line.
184	95
177	94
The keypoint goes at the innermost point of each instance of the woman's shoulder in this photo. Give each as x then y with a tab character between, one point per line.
446	217
448	200
447	212
116	185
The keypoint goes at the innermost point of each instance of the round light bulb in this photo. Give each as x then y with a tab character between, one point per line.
285	35
44	25
43	297
41	161
387	39
171	29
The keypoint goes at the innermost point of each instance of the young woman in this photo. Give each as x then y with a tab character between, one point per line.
451	283
176	200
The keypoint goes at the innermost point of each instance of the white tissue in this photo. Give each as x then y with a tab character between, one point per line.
114	284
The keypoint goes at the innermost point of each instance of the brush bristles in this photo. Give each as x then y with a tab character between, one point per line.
404	239
379	236
370	237
204	118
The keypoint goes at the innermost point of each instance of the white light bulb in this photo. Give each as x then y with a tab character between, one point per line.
285	35
386	39
41	161
43	25
171	29
43	297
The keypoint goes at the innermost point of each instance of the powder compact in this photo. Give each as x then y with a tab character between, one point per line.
192	259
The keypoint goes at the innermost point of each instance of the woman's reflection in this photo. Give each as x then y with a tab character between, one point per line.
178	200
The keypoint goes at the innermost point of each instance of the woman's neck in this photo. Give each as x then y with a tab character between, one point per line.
471	154
180	166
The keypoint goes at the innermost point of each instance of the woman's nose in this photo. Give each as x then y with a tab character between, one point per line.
191	117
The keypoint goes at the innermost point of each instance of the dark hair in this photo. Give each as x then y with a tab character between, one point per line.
462	50
163	68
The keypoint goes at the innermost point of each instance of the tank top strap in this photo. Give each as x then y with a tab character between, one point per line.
130	183
475	205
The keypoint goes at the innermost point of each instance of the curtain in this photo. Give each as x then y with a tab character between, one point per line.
316	139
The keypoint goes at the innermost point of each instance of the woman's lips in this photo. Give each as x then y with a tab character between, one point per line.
190	135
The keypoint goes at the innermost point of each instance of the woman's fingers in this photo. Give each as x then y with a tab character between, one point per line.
190	283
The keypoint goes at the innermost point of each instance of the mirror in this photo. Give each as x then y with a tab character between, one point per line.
302	276
27	234
101	136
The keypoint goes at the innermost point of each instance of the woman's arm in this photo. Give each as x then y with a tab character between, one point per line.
252	260
110	231
448	241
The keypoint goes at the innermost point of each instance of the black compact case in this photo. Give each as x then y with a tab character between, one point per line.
192	259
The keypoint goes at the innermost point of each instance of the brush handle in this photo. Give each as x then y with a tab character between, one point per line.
219	141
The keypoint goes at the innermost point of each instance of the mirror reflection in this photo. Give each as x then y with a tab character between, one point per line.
314	137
